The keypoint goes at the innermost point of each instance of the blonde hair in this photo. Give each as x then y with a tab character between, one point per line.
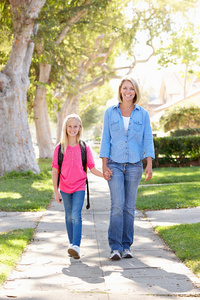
136	99
64	136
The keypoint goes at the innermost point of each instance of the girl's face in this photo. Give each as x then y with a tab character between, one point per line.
127	91
73	127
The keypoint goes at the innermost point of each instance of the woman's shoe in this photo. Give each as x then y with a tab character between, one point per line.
115	255
126	253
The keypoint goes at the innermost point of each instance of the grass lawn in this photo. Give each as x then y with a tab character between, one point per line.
169	196
184	240
173	175
27	191
12	244
170	188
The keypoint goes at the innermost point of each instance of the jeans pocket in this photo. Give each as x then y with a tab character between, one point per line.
138	164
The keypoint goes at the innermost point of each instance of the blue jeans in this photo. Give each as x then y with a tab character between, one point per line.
123	191
73	204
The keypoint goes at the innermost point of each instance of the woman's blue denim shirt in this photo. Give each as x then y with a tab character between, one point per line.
131	146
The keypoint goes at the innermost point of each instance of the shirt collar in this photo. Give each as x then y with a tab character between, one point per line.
136	106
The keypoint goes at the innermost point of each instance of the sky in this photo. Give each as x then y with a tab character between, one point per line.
148	74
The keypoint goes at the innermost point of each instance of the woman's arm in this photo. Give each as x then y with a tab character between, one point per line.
55	187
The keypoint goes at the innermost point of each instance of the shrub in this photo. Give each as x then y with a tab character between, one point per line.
176	150
185	132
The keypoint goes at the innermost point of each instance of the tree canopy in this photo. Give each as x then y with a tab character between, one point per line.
181	118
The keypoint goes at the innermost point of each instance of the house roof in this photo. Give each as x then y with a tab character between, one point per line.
173	83
192	99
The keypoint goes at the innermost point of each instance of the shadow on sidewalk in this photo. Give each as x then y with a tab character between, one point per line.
87	273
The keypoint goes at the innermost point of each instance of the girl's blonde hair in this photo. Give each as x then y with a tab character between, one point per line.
64	136
136	99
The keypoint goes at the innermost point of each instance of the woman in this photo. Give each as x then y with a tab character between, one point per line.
126	140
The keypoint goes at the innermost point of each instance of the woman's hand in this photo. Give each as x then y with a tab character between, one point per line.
107	173
148	170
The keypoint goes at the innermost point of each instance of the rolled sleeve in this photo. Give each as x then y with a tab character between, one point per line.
148	138
105	141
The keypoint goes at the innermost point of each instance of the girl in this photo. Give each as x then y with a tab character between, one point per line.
72	179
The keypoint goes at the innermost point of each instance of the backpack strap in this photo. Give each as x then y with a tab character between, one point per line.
84	163
60	160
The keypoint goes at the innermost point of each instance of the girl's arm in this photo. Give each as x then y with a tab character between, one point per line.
55	187
96	172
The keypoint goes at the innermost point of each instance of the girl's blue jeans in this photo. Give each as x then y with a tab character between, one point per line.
123	187
73	204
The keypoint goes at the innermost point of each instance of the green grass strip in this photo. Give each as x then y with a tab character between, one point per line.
169	196
27	191
12	244
173	175
184	240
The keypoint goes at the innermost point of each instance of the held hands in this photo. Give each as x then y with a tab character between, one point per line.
107	173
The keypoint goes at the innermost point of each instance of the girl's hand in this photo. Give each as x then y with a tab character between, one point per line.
58	197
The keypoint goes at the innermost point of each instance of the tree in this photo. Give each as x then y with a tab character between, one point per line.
182	45
93	43
16	145
181	118
65	17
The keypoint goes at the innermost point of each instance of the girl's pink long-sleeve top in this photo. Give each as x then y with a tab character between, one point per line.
72	177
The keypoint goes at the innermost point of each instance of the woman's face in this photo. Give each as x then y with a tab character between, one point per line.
127	91
73	127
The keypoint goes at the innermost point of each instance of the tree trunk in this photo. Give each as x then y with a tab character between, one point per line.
69	107
43	131
16	145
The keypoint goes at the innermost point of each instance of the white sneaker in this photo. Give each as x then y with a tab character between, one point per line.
126	253
74	251
115	255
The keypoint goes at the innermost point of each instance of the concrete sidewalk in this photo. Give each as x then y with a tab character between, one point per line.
47	272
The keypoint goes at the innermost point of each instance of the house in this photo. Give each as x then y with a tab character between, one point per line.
172	95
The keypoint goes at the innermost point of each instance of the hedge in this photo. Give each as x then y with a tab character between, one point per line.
185	132
176	150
